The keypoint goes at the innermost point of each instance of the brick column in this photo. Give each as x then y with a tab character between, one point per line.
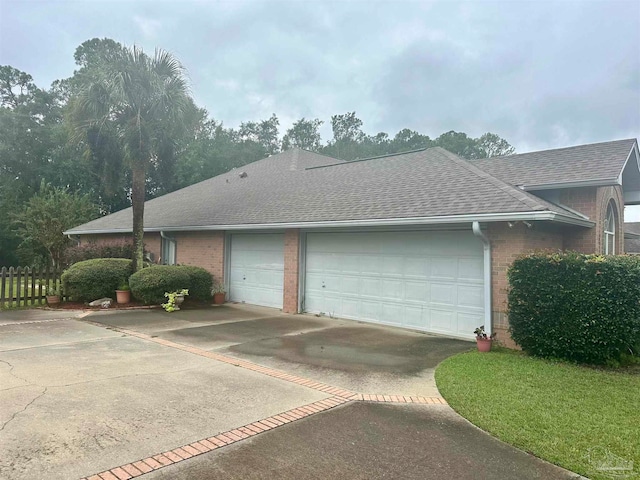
201	249
291	271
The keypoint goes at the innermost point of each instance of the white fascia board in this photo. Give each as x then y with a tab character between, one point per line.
632	153
384	222
582	183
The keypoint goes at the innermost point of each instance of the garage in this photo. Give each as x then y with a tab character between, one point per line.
430	281
256	273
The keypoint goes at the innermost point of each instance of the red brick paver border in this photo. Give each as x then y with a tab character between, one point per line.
339	396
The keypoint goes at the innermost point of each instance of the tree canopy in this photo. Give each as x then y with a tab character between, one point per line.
84	135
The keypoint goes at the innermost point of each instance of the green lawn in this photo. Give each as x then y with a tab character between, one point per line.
556	411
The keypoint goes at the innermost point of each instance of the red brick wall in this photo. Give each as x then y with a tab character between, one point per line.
291	271
202	249
593	202
506	244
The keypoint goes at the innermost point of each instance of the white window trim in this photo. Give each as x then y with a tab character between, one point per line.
610	234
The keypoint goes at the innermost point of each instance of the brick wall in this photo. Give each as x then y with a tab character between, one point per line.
506	244
291	271
593	202
202	249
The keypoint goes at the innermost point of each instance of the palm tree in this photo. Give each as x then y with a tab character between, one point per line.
139	99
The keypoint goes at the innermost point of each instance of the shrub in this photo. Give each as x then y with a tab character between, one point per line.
583	308
96	278
150	284
200	282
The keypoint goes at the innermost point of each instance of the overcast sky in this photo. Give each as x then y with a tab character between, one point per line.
541	74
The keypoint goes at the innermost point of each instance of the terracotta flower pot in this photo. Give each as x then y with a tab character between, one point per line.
53	299
218	298
123	296
484	344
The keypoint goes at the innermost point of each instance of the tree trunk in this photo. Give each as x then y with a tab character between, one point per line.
137	203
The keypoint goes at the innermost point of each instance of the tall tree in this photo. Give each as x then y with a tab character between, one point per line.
491	145
46	215
303	134
141	99
264	133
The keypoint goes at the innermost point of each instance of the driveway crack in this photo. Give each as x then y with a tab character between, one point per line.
23	410
11	367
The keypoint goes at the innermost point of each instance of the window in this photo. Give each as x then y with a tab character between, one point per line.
610	231
168	251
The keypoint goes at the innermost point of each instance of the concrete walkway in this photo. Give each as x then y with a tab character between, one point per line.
207	393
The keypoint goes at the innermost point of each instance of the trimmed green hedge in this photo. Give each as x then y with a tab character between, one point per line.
150	284
93	279
583	308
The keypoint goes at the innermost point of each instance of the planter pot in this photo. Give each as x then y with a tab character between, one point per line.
484	344
218	298
53	299
123	296
179	299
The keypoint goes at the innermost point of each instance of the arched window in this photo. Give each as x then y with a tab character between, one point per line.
610	231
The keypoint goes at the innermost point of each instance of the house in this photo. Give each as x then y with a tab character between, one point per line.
632	238
421	239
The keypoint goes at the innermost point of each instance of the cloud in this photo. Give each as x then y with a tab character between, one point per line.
148	26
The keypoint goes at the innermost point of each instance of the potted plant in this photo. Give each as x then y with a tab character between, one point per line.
123	293
174	300
483	340
218	293
53	295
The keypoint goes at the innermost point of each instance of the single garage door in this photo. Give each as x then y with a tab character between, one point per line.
257	269
431	281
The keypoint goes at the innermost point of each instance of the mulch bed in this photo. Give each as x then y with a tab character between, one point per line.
125	306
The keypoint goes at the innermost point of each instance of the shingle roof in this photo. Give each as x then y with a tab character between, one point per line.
601	163
288	188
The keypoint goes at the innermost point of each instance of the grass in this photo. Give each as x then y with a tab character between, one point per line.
557	411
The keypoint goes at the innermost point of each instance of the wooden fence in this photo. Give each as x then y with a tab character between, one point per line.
24	286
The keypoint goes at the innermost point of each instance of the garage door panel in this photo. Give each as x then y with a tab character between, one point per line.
416	291
443	321
257	269
444	268
431	281
443	294
471	296
471	269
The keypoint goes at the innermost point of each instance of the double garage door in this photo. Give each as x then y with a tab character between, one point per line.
431	281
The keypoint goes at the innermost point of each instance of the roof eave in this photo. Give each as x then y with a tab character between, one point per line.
583	183
544	215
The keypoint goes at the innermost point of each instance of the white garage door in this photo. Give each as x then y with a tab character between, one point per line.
431	281
257	269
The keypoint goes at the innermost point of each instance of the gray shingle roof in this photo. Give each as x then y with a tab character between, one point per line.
601	163
288	188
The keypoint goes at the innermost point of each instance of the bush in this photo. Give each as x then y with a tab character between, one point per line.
120	249
200	282
96	278
150	284
583	308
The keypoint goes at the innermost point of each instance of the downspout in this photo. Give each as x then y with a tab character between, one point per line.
76	239
488	324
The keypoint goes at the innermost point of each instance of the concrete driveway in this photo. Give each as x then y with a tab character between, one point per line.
234	390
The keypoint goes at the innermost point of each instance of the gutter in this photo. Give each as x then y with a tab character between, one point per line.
477	231
76	239
543	215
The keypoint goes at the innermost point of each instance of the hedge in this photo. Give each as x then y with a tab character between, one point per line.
96	278
582	308
150	284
